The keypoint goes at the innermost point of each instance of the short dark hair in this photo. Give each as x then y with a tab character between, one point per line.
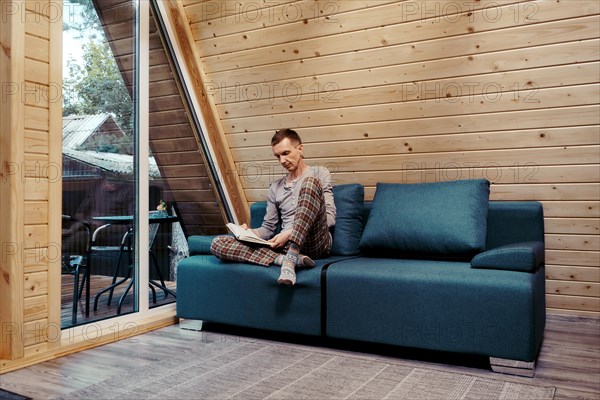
285	133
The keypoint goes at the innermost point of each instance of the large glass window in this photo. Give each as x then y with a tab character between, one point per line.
102	163
99	168
135	183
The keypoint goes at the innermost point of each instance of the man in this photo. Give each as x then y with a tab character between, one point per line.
303	201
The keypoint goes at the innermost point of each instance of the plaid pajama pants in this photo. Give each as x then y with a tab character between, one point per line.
310	231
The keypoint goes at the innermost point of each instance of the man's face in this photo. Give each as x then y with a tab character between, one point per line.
288	153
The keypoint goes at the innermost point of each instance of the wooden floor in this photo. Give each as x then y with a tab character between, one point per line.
97	283
569	361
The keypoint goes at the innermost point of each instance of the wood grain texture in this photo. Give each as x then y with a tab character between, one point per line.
415	91
569	360
55	167
12	191
214	132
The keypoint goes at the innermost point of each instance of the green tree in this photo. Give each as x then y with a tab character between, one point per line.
72	103
95	83
81	16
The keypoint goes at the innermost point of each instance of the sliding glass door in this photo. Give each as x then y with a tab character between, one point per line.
100	160
134	181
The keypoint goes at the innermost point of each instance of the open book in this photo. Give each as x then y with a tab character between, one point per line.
246	235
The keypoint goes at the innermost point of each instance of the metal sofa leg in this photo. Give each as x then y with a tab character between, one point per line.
513	367
190	324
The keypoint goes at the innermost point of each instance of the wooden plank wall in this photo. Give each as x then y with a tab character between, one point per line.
35	132
416	91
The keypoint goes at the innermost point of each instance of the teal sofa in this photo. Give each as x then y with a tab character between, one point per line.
400	274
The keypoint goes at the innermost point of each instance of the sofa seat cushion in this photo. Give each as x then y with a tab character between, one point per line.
436	305
442	219
522	256
248	295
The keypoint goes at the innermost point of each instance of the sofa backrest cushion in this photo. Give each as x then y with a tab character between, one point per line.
200	244
513	222
441	219
349	221
257	213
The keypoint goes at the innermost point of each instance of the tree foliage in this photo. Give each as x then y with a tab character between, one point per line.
80	16
94	84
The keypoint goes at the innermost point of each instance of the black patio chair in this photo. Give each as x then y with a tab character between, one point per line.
77	236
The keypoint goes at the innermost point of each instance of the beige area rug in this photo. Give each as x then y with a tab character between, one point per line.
229	367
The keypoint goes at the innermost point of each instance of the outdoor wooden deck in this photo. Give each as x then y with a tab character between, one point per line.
99	282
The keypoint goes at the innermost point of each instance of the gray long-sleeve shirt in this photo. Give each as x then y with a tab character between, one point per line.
282	198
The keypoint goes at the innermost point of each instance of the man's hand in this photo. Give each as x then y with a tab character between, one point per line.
280	239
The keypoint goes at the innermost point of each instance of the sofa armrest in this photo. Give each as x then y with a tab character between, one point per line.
522	256
200	244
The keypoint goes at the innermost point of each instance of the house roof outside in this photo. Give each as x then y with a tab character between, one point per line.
79	128
121	164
